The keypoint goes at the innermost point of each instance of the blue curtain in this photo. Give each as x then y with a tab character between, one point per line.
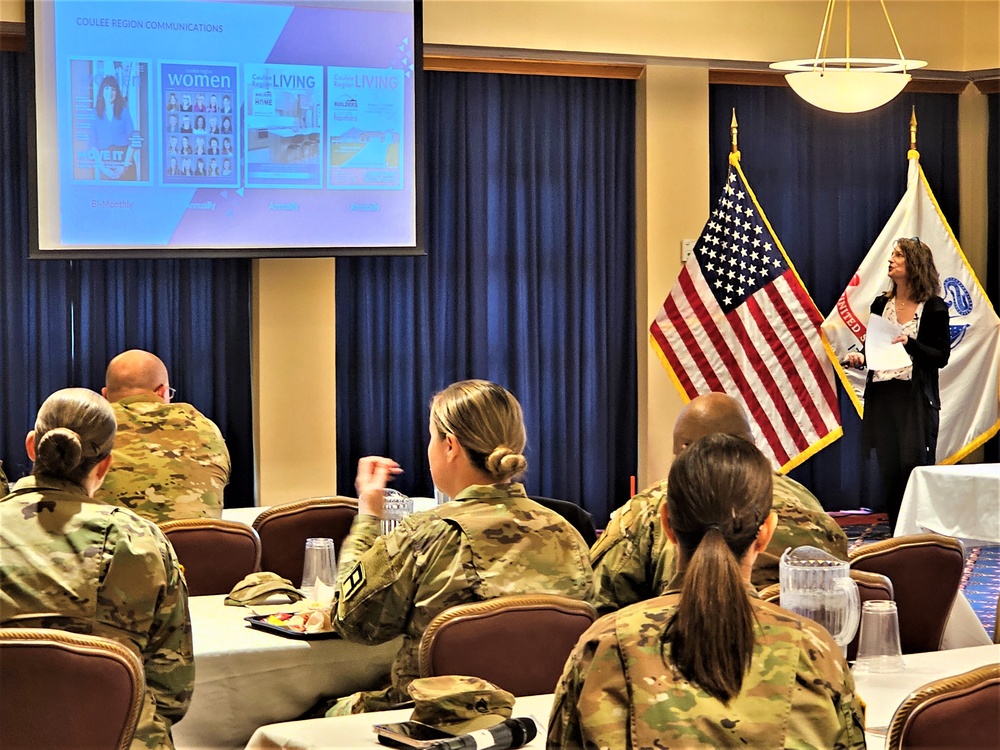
992	452
828	183
529	281
63	320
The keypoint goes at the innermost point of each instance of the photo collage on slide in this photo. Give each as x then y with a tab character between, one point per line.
110	112
202	140
198	115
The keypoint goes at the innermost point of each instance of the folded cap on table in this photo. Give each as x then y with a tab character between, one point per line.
459	704
259	587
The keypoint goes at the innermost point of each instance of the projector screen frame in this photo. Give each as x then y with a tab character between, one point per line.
35	252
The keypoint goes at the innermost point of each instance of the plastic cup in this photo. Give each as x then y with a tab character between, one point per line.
879	651
319	566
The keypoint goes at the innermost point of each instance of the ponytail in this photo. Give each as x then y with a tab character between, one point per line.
712	636
719	494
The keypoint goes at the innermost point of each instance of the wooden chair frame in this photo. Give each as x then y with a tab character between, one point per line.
218	525
938	691
489	608
869	552
91	647
278	512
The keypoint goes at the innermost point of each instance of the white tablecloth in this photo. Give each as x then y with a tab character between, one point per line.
355	732
885	692
243	515
245	678
882	693
961	501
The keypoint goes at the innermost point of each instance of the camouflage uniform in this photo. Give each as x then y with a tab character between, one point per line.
620	691
170	461
490	541
4	488
69	563
633	559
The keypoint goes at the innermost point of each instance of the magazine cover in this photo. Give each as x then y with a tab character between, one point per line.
198	116
110	119
284	125
366	123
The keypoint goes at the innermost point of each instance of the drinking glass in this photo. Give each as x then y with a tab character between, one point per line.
879	651
319	569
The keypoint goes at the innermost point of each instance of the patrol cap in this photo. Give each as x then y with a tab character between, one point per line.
259	587
459	704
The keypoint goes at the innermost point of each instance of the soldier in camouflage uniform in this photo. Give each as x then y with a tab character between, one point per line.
71	563
711	665
490	541
634	561
170	460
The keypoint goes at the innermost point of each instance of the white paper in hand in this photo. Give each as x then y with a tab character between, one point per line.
880	352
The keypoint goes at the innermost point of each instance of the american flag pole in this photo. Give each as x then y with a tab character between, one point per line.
739	321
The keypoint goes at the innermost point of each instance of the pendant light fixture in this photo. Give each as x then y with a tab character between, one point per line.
848	84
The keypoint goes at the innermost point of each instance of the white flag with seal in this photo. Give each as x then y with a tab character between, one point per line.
970	383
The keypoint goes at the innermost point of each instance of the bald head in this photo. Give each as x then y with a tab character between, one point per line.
134	372
709	414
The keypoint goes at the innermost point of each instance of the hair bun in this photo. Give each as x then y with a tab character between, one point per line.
503	463
59	450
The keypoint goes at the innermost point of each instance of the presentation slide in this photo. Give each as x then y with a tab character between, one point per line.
233	128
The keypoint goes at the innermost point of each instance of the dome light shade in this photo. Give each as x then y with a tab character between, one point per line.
848	90
848	84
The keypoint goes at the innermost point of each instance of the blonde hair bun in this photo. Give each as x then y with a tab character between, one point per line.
505	463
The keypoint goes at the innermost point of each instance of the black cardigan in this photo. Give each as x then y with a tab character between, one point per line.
929	351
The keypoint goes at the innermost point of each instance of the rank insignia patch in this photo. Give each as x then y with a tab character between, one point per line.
353	582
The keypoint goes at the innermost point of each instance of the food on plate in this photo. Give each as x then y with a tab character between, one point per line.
303	621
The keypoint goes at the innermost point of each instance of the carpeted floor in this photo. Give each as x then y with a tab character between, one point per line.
980	582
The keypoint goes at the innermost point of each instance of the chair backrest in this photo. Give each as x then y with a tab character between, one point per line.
926	571
283	531
954	712
519	643
216	554
871	587
68	691
581	519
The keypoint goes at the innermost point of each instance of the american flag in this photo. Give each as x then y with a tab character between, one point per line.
739	321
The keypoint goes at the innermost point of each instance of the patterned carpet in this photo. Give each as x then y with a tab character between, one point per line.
980	581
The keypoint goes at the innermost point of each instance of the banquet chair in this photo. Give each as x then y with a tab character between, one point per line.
581	519
216	554
519	643
871	587
954	712
926	571
283	531
68	691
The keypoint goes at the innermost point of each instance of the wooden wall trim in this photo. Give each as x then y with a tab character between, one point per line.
462	64
989	86
12	36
